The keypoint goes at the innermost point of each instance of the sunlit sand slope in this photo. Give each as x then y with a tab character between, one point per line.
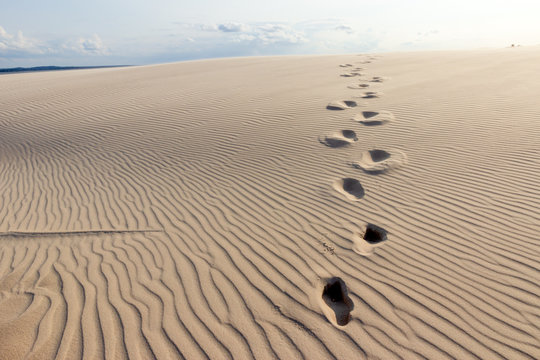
345	207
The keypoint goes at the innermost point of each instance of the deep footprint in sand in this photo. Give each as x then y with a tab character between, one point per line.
341	105
339	139
378	161
335	301
345	65
358	86
368	239
379	79
352	74
351	188
371	95
371	118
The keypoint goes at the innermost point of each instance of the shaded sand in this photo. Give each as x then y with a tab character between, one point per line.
189	211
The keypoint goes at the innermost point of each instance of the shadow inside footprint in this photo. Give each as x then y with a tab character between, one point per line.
378	79
353	187
349	134
341	139
334	143
379	155
374	234
358	86
371	95
378	161
371	237
351	74
341	105
335	296
373	123
369	114
372	118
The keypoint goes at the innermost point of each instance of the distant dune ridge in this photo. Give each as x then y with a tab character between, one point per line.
53	68
313	207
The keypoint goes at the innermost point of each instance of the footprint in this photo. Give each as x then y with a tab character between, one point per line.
378	161
341	105
340	139
379	79
350	187
345	65
370	118
368	239
358	86
352	74
371	95
335	302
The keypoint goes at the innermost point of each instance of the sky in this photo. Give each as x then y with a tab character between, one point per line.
138	32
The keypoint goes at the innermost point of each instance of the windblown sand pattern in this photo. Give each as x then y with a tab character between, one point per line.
188	211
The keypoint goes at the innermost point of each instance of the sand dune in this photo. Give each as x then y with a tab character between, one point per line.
209	209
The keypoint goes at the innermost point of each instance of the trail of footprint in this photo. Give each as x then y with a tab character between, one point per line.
339	139
351	188
335	302
371	118
378	161
373	161
368	239
341	105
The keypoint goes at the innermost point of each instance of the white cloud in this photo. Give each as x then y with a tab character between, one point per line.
270	38
278	33
203	27
17	49
257	34
19	44
92	45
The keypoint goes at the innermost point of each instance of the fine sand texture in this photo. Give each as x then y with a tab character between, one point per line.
315	207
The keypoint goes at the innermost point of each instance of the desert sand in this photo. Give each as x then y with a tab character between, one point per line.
306	207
